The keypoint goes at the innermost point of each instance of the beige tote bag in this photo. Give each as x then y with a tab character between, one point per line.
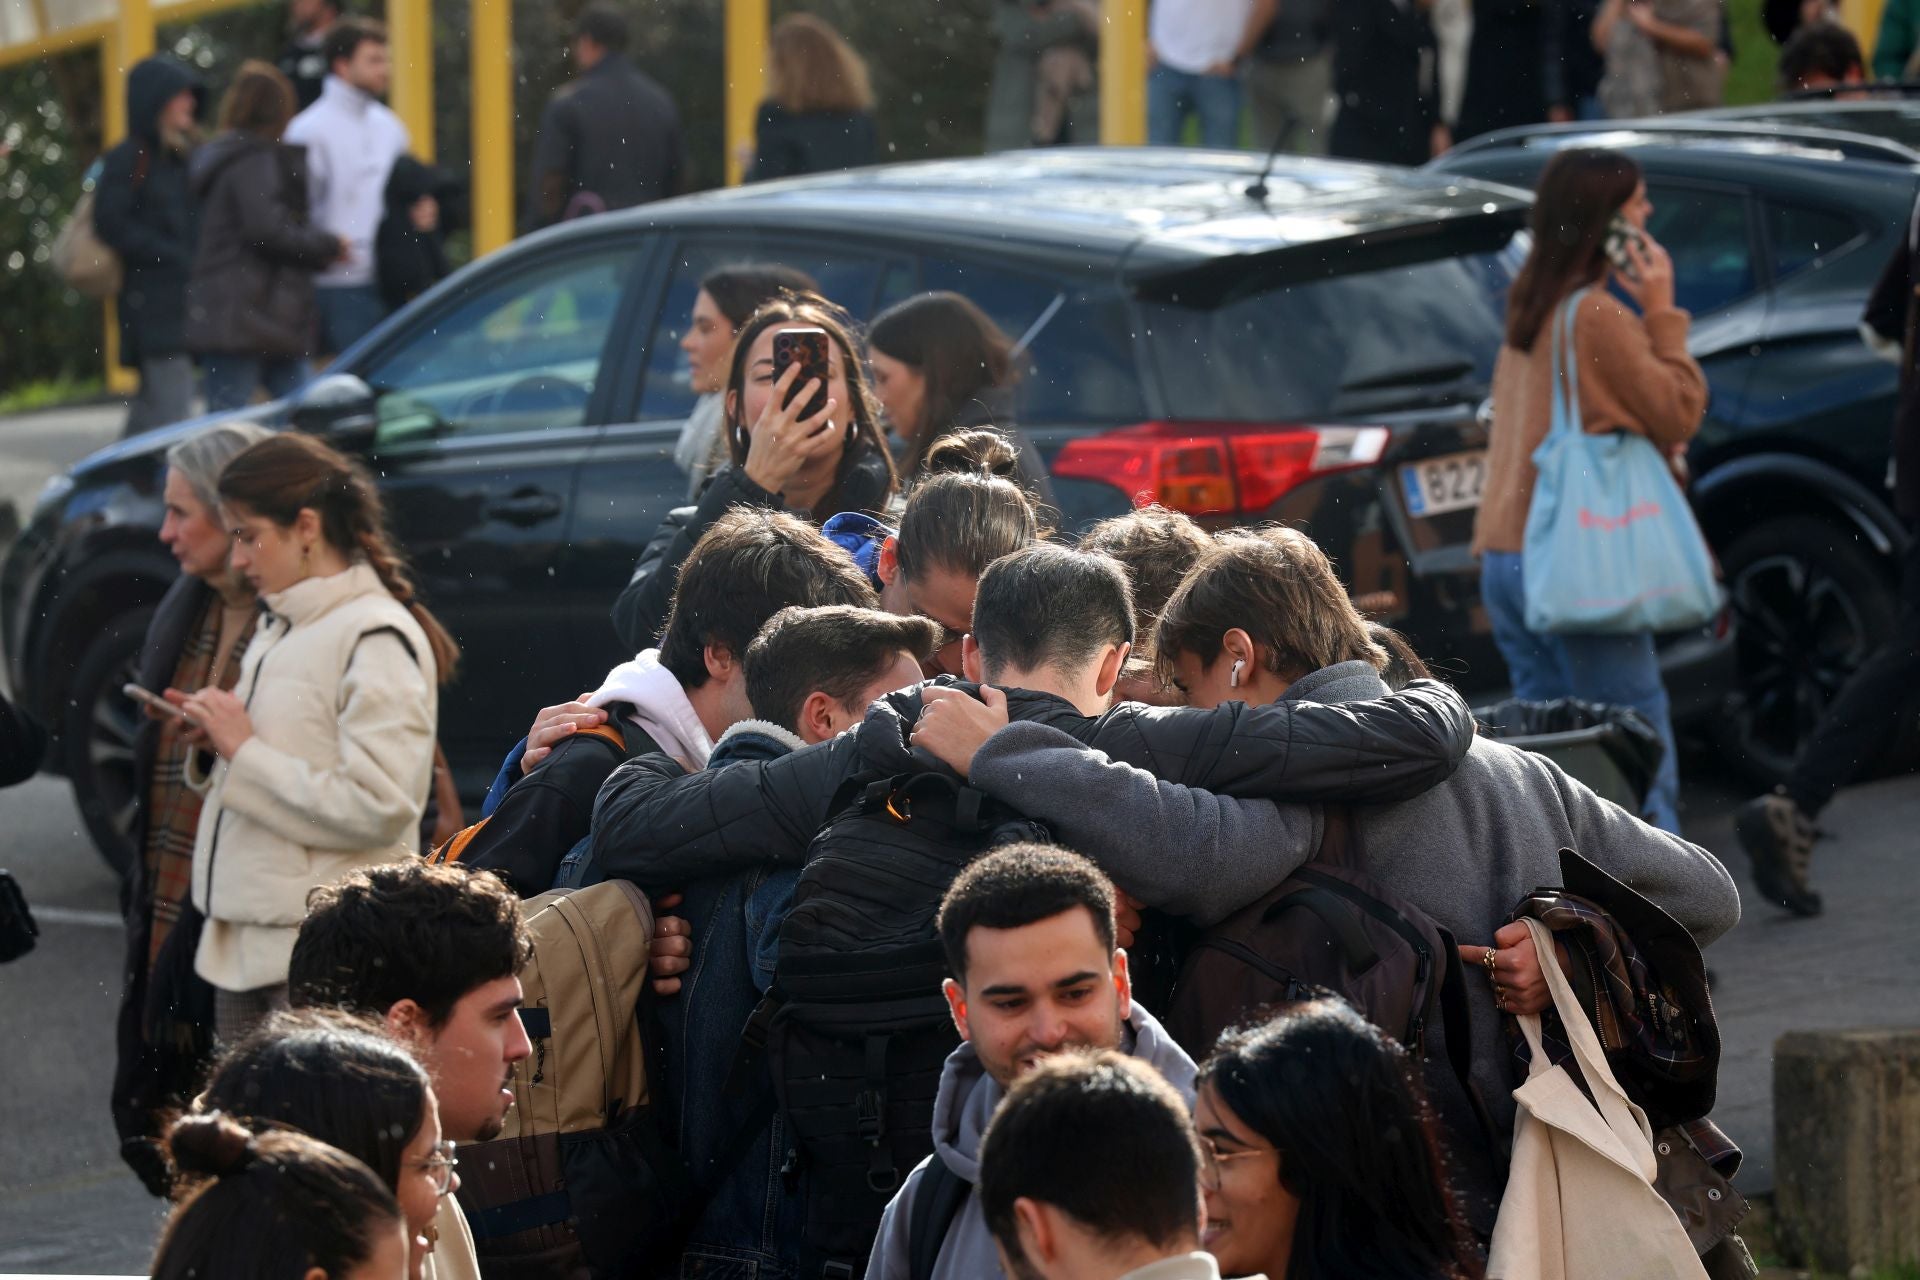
1580	1203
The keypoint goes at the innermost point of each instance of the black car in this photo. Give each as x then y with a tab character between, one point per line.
1778	231
1315	356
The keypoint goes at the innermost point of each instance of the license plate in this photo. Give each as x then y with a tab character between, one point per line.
1452	482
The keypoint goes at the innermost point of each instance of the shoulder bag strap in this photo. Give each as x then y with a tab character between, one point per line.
1566	366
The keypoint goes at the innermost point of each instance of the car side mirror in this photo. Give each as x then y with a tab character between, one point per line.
339	406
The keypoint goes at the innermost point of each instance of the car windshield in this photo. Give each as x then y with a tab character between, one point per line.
1394	338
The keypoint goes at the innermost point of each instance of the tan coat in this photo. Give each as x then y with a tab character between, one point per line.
334	778
1635	375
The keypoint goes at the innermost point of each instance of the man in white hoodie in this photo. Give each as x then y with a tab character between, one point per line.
1030	936
677	699
351	139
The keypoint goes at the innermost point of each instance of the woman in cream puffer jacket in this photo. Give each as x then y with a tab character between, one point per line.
326	743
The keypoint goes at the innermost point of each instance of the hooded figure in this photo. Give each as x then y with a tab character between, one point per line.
410	250
144	211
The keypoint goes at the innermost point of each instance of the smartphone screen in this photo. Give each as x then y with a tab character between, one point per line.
806	347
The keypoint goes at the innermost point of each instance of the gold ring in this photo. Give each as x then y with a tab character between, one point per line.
1488	960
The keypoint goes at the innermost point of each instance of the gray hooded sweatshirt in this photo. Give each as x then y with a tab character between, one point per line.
966	1101
1466	851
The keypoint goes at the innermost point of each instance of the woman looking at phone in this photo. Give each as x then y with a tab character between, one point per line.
789	449
199	630
326	749
1634	376
728	297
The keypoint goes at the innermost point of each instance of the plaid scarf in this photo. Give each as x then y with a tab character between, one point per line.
173	807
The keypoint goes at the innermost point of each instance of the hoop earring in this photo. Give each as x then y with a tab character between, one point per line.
1233	676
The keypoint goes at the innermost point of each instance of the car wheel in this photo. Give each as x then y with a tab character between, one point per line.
1810	603
97	737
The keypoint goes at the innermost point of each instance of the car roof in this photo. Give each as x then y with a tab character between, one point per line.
1153	213
1783	131
1892	118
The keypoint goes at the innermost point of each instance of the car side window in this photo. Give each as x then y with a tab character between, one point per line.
848	278
521	353
1707	233
1079	364
1801	235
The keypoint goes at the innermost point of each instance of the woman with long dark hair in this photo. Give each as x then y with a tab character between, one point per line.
326	750
341	1080
941	365
1634	376
780	457
727	299
251	314
275	1206
1320	1157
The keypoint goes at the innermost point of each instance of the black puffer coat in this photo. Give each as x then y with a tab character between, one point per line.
144	211
865	484
662	828
251	293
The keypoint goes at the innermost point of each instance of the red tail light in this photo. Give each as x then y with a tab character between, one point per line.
1211	469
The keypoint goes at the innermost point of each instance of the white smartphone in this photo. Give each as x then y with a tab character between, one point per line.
148	698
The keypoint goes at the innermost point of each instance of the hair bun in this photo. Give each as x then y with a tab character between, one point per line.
211	1145
978	450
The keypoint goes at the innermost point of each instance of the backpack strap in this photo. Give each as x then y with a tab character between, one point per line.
1457	1020
936	1203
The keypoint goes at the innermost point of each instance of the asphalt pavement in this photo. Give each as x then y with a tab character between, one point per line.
68	1205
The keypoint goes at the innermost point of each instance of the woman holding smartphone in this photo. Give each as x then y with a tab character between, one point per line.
788	449
326	744
199	630
1634	375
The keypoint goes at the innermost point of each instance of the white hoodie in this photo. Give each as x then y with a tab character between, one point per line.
660	708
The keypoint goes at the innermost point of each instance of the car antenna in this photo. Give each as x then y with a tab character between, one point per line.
1258	191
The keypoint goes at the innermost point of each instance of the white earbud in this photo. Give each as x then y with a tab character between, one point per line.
1233	677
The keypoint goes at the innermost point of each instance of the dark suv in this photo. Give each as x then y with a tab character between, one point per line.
1778	229
1316	356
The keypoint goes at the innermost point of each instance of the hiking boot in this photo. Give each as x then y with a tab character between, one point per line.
1779	840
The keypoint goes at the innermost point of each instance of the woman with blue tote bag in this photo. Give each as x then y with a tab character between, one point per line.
1601	539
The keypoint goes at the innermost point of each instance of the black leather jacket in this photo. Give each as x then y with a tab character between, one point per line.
662	828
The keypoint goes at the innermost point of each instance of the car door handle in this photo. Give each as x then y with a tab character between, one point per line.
527	507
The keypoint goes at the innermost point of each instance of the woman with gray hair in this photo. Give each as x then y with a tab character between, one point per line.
199	630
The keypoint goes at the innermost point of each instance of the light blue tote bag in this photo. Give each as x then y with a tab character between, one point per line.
1612	547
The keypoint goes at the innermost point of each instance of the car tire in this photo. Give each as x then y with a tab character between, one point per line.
1811	599
97	737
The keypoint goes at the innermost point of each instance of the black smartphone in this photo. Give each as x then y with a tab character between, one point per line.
806	347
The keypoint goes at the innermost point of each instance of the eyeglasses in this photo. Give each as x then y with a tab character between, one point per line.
440	1164
1212	1157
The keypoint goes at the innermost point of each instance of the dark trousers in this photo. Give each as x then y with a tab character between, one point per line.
1864	722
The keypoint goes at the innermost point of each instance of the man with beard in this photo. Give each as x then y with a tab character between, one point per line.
1029	934
434	952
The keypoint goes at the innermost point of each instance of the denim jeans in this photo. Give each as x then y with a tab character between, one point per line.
1174	95
752	1226
1622	671
347	314
230	379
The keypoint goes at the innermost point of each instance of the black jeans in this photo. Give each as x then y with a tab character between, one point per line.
1864	721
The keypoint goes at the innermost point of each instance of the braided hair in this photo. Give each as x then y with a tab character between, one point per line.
290	472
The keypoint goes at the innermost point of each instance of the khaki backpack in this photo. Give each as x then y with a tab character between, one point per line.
80	257
579	1183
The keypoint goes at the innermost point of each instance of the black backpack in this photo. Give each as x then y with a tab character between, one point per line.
855	1032
1331	927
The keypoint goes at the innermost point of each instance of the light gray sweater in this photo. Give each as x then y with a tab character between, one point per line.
1467	851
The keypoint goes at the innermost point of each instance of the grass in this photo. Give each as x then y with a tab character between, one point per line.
48	393
1755	56
1757	1231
